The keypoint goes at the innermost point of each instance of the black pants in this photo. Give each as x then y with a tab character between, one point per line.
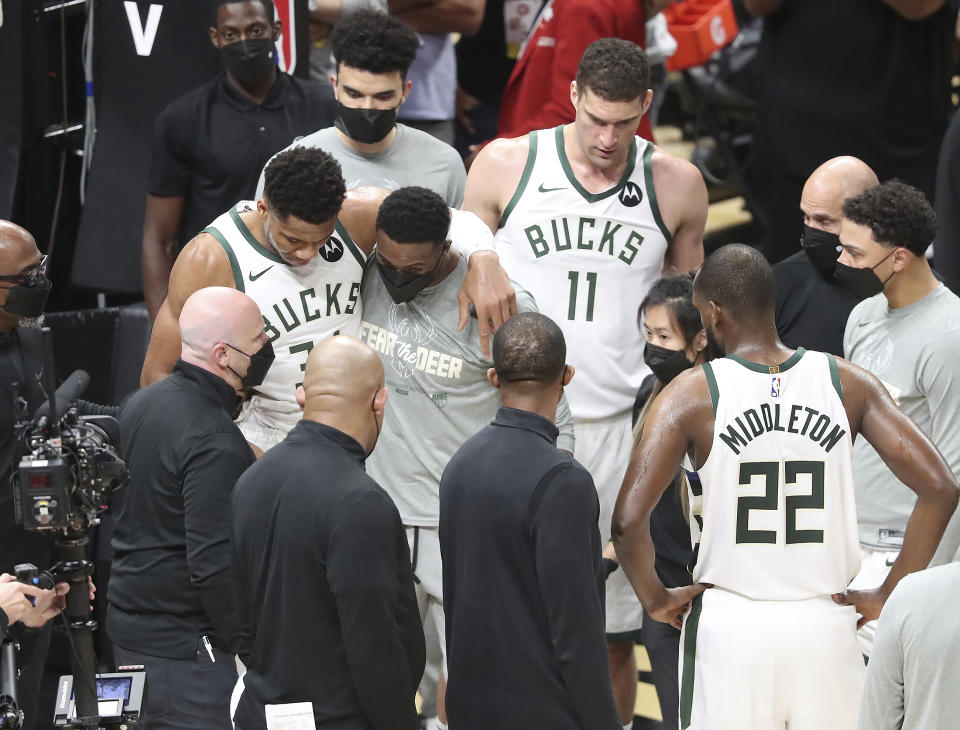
663	647
185	694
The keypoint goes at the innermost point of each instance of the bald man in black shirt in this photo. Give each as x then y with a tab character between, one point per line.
812	306
523	577
323	581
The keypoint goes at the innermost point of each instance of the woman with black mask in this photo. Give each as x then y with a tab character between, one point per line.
676	341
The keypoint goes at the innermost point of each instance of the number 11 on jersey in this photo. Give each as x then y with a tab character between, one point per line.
574	277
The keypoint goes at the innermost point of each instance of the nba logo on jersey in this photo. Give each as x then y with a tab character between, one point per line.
775	386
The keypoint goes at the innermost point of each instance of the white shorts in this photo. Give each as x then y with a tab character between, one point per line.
874	566
769	665
424	545
261	428
603	447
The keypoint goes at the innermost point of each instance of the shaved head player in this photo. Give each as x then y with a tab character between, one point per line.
770	431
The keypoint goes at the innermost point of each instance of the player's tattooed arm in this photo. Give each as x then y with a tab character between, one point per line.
670	431
916	462
202	263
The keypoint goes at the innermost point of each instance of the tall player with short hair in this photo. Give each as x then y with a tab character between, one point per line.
770	431
587	216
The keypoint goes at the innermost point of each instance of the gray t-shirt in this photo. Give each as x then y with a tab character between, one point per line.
915	351
913	675
438	392
414	158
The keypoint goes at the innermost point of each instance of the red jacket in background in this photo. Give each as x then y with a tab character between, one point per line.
537	95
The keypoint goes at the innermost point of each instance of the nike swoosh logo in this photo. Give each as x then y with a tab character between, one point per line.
889	562
863	324
548	190
254	277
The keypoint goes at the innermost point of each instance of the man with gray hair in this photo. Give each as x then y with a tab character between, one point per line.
171	591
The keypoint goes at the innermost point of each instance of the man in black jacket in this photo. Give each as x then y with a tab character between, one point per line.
323	581
170	593
523	577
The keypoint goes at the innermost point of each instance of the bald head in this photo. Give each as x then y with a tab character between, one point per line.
18	254
343	388
218	314
341	369
830	184
15	241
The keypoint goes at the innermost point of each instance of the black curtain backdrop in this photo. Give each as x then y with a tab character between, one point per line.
11	92
141	63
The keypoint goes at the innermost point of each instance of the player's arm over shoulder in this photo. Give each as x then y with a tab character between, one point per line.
682	200
202	263
358	216
494	177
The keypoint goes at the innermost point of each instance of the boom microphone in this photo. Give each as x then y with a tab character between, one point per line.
67	393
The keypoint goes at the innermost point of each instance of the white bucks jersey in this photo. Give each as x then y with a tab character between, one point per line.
589	260
776	514
300	305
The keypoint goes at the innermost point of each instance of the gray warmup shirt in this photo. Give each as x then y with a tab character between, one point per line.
913	675
915	351
439	395
414	158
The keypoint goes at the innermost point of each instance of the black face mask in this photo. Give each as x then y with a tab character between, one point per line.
260	363
821	247
666	364
249	60
862	283
28	301
367	126
403	286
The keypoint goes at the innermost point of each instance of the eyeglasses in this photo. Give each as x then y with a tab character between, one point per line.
31	276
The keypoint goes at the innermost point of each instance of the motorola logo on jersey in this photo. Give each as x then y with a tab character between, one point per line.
332	250
631	195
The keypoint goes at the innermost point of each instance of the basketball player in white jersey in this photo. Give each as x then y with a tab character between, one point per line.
769	636
299	252
587	217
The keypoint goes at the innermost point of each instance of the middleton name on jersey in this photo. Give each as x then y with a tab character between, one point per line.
800	419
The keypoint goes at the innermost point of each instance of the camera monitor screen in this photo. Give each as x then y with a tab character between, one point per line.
41	480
